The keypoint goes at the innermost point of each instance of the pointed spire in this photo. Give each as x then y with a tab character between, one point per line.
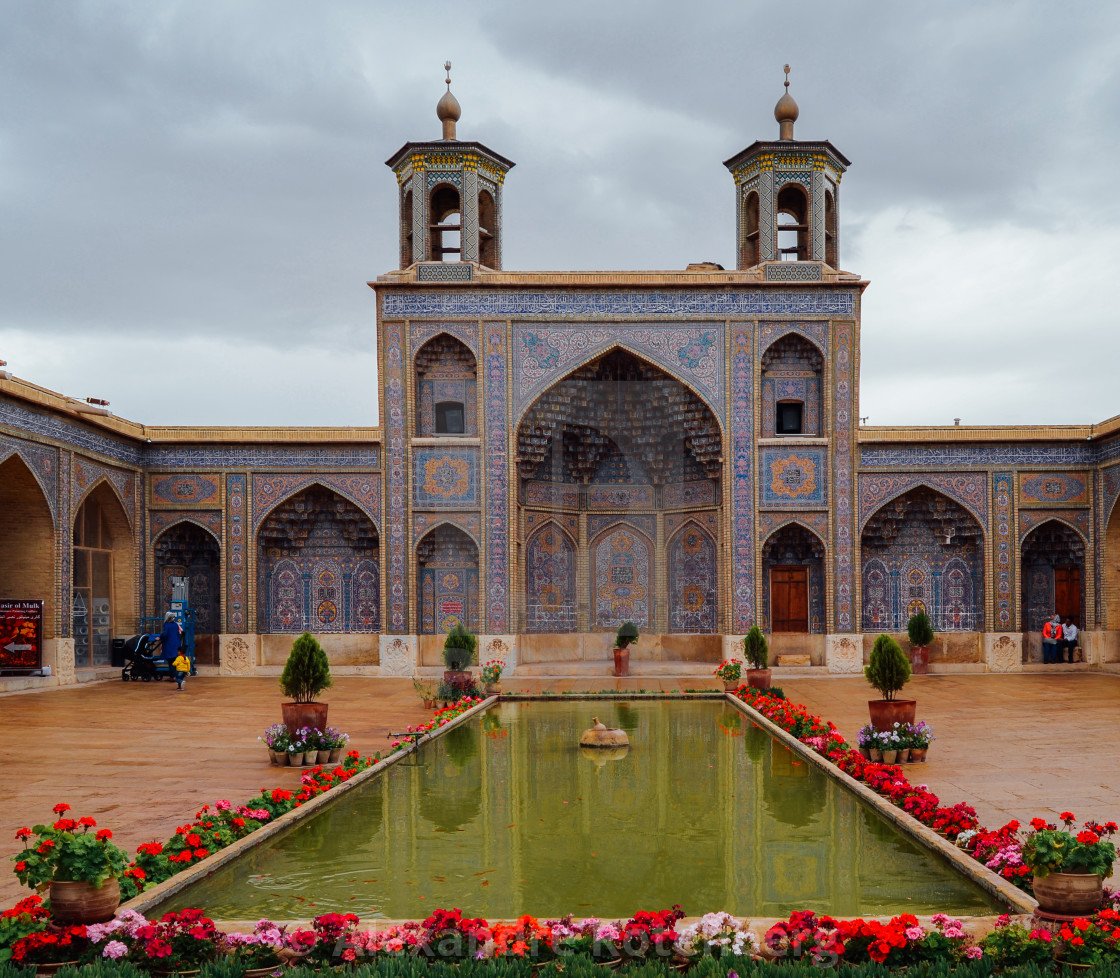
786	112
447	109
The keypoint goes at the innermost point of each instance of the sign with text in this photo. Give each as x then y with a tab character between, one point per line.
21	634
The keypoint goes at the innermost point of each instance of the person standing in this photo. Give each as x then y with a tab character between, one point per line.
1049	642
1069	640
171	639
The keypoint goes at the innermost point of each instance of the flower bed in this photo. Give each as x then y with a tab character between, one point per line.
188	940
1000	850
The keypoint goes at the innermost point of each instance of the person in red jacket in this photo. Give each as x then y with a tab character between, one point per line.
1051	636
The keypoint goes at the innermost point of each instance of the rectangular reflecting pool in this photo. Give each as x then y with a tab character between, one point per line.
506	815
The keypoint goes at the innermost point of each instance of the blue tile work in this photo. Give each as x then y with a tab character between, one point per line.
644	522
622	578
843	484
445	478
1054	488
545	353
237	596
801	271
976	456
550	580
65	622
970	489
396	485
269	491
742	474
41	460
263	457
86	476
466	333
73	433
497	415
486	303
161	520
793	478
1003	488
693	580
1075	519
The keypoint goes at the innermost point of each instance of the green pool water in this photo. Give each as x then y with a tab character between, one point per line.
504	815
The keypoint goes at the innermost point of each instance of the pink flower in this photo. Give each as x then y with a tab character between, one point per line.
223	805
972	951
914	933
114	950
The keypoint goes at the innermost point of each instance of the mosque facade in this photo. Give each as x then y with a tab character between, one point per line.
560	452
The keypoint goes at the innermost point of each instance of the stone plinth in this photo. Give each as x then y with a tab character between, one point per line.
399	655
844	654
237	655
1003	651
498	647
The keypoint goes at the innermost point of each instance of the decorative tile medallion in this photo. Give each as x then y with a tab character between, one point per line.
794	477
186	489
1054	489
445	478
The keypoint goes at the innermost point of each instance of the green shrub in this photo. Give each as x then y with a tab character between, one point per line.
919	630
755	648
307	672
777	692
627	634
889	668
459	648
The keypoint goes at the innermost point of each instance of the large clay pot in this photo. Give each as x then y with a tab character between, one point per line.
298	715
459	680
1069	894
919	660
758	678
622	662
84	903
886	713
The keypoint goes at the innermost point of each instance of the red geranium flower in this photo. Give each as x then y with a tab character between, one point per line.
60	808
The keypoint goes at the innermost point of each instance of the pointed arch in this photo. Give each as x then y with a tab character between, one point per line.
187	519
447	584
621	576
793	330
693	578
10	448
1054	518
793	579
126	504
1052	572
27	539
550	579
934	486
187	548
446	384
296	486
321	535
793	521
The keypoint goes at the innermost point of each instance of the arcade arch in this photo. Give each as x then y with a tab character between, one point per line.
447	580
1052	574
187	550
26	541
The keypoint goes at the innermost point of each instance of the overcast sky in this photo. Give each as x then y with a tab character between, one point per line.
193	195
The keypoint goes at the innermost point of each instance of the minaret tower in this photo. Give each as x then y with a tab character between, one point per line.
450	195
788	195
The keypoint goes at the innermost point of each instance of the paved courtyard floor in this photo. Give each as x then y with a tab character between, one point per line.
142	758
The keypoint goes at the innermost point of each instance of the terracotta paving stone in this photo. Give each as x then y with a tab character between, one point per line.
142	758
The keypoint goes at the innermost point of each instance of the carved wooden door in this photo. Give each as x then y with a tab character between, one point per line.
789	599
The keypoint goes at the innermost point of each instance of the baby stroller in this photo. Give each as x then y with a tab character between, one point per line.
142	662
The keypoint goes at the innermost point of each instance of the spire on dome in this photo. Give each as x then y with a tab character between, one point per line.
447	109
786	112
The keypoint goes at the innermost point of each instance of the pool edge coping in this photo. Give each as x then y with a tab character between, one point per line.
1016	900
149	898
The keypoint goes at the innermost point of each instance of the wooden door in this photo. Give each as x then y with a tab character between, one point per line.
1067	593
789	599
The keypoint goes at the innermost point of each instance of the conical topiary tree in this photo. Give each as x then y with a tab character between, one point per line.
756	650
307	672
459	648
889	668
627	634
919	630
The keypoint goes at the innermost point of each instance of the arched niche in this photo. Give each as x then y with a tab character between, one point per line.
446	229
922	551
187	550
103	595
792	215
27	545
793	580
447	580
693	576
792	401
622	578
446	388
550	580
318	566
1052	565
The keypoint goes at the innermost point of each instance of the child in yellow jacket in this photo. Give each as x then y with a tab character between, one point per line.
182	667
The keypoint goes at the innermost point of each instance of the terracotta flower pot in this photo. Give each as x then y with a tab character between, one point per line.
886	713
1069	894
298	715
84	903
919	660
758	678
730	685
621	662
918	753
333	755
459	680
323	756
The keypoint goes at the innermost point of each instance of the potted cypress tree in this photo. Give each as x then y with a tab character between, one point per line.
756	651
888	671
920	632
626	635
458	653
306	674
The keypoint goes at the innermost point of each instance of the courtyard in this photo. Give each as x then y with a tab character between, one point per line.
142	760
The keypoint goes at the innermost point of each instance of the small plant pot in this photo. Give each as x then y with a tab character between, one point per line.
333	755
890	757
49	968
876	755
323	757
309	758
83	903
491	689
430	704
866	753
297	715
758	678
278	757
730	685
918	754
621	662
904	755
294	759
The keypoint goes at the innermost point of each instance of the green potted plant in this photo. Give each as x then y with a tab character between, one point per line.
492	675
888	671
426	691
306	674
81	867
756	651
626	636
730	671
458	653
1069	869
920	632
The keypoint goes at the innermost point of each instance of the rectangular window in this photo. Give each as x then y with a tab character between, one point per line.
789	418
450	418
